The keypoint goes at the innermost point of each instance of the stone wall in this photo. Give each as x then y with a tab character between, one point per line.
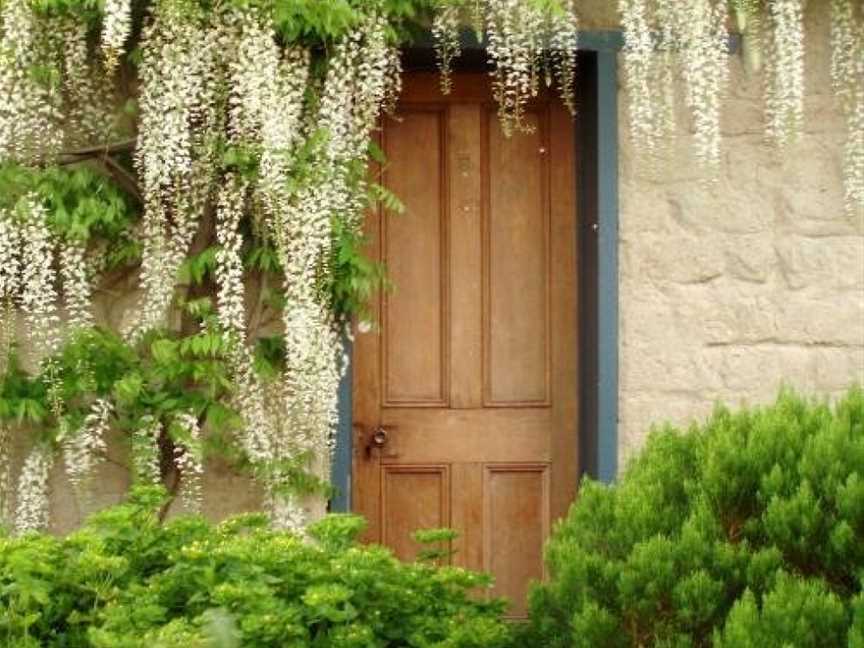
731	290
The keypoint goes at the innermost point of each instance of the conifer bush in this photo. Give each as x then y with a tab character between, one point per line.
746	531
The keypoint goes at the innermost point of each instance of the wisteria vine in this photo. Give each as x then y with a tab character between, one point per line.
667	38
240	158
528	43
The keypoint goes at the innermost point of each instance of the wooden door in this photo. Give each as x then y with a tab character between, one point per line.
471	368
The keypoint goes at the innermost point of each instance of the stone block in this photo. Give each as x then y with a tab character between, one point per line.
682	259
750	257
735	313
827	320
839	368
822	263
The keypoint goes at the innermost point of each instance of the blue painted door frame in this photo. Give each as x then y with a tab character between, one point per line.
603	465
606	46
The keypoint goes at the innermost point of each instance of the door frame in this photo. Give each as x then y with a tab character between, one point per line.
596	138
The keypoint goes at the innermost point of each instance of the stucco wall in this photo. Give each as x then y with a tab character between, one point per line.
728	291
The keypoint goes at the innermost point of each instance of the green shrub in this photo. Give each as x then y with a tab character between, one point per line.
127	581
747	531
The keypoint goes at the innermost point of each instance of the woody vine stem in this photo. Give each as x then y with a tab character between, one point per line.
218	149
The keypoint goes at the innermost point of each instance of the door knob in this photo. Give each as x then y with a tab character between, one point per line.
376	439
379	437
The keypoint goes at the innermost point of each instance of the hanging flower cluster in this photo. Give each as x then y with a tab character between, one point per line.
5	476
526	42
258	433
647	126
77	287
28	105
705	71
85	450
38	292
269	112
174	151
10	269
88	94
784	94
445	32
665	39
188	459
116	25
266	104
32	499
750	22
847	76
9	273
146	468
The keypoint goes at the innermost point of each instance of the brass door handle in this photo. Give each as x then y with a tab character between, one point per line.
377	439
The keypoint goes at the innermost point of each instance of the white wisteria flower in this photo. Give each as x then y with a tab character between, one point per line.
515	44
76	284
667	41
116	26
189	461
5	476
10	281
89	94
784	92
256	437
640	69
32	498
448	47
563	45
28	105
38	292
847	76
144	453
705	66
522	39
84	450
173	152
750	21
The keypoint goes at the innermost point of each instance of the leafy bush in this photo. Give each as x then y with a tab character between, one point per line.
747	531
126	581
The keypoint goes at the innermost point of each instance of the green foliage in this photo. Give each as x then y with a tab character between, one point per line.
88	11
436	543
163	376
353	278
125	580
747	531
22	400
199	267
82	205
313	22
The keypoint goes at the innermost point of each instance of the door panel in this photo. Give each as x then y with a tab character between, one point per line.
517	514
415	361
472	367
414	497
517	267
